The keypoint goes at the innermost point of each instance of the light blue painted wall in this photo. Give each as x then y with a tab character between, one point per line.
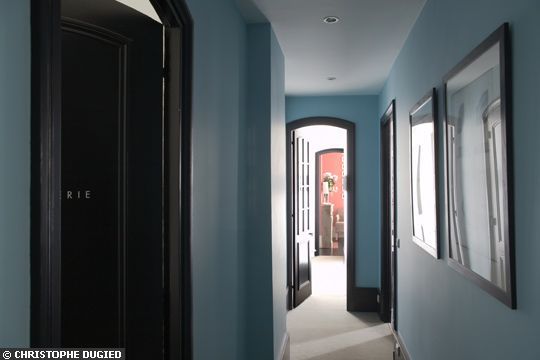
14	173
219	193
363	111
218	97
279	194
258	271
442	315
265	196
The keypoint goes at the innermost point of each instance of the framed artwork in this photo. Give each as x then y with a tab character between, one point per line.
423	132
479	168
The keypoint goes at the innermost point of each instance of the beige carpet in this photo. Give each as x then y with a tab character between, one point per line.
321	328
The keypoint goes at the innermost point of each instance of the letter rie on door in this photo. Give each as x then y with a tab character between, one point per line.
78	194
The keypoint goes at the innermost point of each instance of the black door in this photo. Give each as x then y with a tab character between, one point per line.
302	218
112	238
388	304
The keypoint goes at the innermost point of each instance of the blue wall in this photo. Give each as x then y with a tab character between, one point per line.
219	89
265	196
363	111
14	173
279	195
239	302
259	318
220	200
442	315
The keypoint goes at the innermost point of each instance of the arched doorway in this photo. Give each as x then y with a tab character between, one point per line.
154	179
298	264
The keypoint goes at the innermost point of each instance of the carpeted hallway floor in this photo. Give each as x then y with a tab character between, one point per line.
321	328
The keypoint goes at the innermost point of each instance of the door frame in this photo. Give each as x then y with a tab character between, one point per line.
351	197
318	192
388	294
45	267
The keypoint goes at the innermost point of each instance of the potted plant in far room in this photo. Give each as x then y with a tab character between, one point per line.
329	184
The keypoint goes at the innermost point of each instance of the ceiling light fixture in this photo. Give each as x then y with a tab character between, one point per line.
330	19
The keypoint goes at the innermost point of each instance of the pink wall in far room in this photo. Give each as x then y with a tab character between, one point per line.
333	163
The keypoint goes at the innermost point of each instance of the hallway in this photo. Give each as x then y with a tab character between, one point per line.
321	328
158	191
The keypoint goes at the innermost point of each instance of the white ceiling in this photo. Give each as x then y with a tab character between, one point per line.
359	50
143	6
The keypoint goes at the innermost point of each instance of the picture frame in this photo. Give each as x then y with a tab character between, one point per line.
479	187
424	174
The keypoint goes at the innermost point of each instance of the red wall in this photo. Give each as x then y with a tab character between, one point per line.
333	163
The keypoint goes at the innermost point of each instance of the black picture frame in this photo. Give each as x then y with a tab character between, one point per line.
425	111
506	290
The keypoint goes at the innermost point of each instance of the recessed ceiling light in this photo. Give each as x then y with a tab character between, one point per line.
330	19
331	78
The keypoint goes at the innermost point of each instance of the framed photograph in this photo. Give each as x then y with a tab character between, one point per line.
423	134
478	167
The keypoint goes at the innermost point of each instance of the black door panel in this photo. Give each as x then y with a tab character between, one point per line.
112	193
92	231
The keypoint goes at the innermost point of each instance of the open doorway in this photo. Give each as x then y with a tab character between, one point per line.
320	168
332	317
111	176
330	199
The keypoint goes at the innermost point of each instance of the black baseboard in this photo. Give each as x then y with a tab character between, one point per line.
400	352
331	252
384	308
362	299
286	348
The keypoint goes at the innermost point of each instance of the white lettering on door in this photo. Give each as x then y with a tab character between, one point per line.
78	194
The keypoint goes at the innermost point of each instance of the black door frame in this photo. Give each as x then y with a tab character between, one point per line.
358	299
46	169
388	294
318	192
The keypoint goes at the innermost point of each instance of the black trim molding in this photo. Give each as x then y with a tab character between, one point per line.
45	173
389	241
363	299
